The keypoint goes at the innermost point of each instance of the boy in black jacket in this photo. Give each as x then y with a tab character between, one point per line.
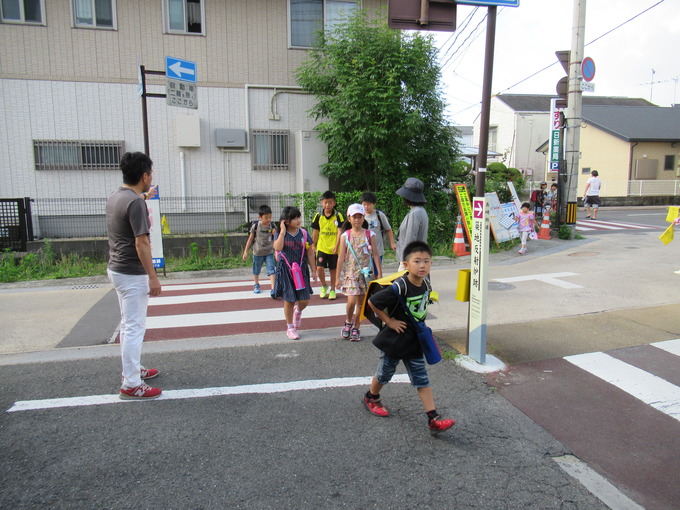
397	339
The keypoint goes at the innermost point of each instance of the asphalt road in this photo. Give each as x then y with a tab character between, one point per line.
319	447
306	449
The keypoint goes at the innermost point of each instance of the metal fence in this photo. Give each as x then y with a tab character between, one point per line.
646	188
56	218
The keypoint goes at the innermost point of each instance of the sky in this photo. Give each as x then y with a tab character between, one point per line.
528	36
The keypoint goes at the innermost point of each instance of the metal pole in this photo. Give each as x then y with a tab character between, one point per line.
145	117
480	181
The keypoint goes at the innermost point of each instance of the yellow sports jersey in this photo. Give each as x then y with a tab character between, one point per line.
328	230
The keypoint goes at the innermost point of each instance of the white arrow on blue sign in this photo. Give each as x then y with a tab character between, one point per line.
179	69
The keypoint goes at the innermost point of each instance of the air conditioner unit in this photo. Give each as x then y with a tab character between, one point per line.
230	138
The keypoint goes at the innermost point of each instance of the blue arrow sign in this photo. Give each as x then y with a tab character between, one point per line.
500	3
179	69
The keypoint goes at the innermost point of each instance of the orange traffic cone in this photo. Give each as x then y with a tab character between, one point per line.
459	242
544	232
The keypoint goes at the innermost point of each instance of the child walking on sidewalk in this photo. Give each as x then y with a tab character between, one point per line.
398	340
357	248
526	224
296	254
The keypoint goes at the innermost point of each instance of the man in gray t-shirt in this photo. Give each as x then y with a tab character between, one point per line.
131	270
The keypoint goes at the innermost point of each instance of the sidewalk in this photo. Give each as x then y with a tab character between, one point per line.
527	320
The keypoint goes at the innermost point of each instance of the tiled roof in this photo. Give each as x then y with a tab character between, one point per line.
636	123
541	103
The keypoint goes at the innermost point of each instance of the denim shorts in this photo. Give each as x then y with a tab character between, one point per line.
415	367
264	259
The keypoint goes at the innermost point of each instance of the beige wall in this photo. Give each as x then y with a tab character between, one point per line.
246	41
608	155
658	151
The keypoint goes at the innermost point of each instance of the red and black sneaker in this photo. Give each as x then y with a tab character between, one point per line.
141	392
439	424
149	373
375	406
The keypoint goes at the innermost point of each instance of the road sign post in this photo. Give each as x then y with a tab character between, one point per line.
479	280
181	87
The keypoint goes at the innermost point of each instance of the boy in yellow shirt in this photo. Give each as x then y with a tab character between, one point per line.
325	237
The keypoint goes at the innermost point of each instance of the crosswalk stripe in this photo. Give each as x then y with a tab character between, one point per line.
206	298
202	286
91	400
672	346
650	389
235	317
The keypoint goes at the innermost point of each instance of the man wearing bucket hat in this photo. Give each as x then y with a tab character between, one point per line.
415	224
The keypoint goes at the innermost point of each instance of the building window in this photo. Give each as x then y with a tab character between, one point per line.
493	138
585	170
94	13
270	149
22	11
184	16
77	154
669	162
308	16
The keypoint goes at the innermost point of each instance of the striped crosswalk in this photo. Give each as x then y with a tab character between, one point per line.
597	225
619	411
229	308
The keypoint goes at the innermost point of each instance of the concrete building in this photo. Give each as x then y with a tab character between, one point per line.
69	81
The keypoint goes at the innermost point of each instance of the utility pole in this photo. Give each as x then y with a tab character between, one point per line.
480	180
573	115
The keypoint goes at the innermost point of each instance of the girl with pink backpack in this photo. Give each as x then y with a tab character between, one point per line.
292	282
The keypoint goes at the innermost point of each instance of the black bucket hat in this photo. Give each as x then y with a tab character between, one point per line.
412	190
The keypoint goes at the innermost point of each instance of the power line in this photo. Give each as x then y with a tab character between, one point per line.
457	33
591	42
463	43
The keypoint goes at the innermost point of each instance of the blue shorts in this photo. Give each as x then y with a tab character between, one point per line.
264	259
415	367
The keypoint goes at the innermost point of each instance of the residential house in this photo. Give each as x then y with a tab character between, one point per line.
519	123
631	147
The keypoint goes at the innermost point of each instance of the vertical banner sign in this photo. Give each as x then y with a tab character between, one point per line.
153	205
479	279
465	207
555	127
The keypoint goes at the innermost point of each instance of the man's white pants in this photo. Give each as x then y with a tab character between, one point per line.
133	298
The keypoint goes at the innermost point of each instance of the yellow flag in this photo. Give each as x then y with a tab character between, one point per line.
667	235
673	212
165	228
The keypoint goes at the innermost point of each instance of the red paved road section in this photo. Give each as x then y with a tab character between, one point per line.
270	308
633	445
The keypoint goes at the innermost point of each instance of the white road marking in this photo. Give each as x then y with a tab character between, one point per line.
239	316
609	225
672	346
649	388
93	400
214	285
208	298
549	278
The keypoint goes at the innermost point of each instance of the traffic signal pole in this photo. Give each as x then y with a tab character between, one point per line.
573	114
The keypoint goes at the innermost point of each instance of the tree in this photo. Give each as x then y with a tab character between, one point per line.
379	105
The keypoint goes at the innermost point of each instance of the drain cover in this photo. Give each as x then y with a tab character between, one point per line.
82	287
